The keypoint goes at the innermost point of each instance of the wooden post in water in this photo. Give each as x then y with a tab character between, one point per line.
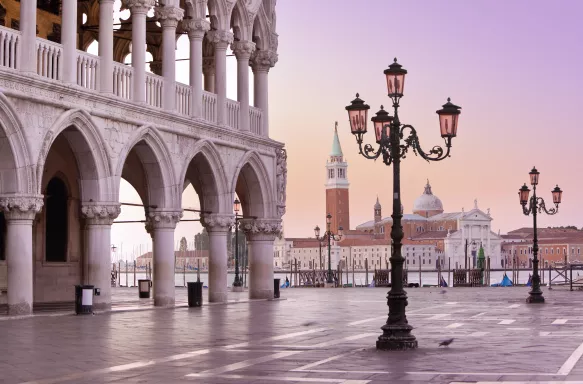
542	269
134	273
198	271
184	272
488	272
346	274
119	274
353	283
127	277
366	271
419	271
448	271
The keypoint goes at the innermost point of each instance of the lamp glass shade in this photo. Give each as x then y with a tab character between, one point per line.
340	231
328	218
358	116
557	195
317	231
237	206
448	119
534	176
395	76
380	121
523	193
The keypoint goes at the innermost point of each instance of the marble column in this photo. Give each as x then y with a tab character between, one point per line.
69	40
261	234
261	62
98	220
169	17
221	41
196	29
106	45
27	60
243	51
217	226
163	224
19	213
139	9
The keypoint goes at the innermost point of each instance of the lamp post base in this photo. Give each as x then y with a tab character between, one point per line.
396	337
535	298
329	285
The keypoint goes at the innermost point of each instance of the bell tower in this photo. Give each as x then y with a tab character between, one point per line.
337	203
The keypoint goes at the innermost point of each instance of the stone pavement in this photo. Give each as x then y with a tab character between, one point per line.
311	336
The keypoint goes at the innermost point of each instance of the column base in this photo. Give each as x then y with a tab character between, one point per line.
217	297
164	302
396	338
237	288
536	298
261	294
19	309
329	285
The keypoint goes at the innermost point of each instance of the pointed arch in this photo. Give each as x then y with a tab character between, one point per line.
153	155
254	187
88	145
220	13
241	21
261	34
211	184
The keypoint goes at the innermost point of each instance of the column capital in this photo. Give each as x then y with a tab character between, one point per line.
163	219
262	61
217	222
196	28
243	49
106	1
261	229
139	6
100	213
169	16
23	207
220	39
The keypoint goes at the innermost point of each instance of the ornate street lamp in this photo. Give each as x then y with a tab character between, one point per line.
329	236
317	232
536	205
237	208
389	133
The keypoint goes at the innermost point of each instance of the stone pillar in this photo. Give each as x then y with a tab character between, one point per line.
221	40
27	61
139	9
163	224
196	30
261	234
169	17
69	40
261	62
98	220
217	226
243	51
19	213
106	45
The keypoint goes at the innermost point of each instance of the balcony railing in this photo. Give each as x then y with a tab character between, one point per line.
233	114
122	80
87	70
9	45
154	90
255	116
209	106
49	59
183	99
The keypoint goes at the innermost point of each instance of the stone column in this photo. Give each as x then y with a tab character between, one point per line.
217	226
169	17
196	29
19	213
106	45
243	51
261	62
163	224
139	9
221	40
69	40
27	60
261	234
98	220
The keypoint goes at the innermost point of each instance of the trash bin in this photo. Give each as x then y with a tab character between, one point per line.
276	288
84	299
144	288
194	294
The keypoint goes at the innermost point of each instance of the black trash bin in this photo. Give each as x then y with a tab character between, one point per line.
144	288
194	294
276	288
84	299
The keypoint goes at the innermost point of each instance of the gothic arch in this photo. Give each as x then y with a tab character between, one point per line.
154	156
220	14
254	187
261	34
211	184
241	22
20	172
196	8
90	152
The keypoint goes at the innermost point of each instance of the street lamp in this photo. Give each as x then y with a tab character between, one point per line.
388	133
328	236
237	208
317	231
537	204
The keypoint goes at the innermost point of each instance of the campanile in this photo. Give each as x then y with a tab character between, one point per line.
337	203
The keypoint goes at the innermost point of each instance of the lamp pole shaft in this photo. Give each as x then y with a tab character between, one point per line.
329	259
320	246
535	294
237	282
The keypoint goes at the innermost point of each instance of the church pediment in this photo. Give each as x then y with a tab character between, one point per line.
475	215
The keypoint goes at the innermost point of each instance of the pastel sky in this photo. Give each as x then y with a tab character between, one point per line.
513	66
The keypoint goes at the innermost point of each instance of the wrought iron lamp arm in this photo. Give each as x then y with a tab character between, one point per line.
542	208
527	210
412	141
369	152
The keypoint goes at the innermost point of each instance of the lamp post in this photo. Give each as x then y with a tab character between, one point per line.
237	207
395	139
329	236
536	205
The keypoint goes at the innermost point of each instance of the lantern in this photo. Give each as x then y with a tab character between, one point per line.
448	119
317	231
237	206
534	176
381	119
328	219
340	231
557	195
357	115
523	194
395	75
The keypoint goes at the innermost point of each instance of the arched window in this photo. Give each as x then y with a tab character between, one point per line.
2	237
56	229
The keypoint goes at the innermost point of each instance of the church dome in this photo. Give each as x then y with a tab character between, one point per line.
427	201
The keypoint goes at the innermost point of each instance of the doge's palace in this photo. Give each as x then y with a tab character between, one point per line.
74	124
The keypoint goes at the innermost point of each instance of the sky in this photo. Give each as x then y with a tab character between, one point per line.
514	67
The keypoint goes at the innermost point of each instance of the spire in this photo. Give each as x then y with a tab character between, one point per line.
377	205
336	149
427	189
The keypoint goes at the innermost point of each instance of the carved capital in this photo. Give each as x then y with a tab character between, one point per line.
169	16
139	6
217	222
162	219
243	49
261	229
100	213
196	28
263	60
23	207
220	39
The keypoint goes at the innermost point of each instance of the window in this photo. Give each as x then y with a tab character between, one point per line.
56	229
413	261
423	261
552	251
330	173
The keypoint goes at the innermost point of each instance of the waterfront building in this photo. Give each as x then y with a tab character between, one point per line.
73	124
